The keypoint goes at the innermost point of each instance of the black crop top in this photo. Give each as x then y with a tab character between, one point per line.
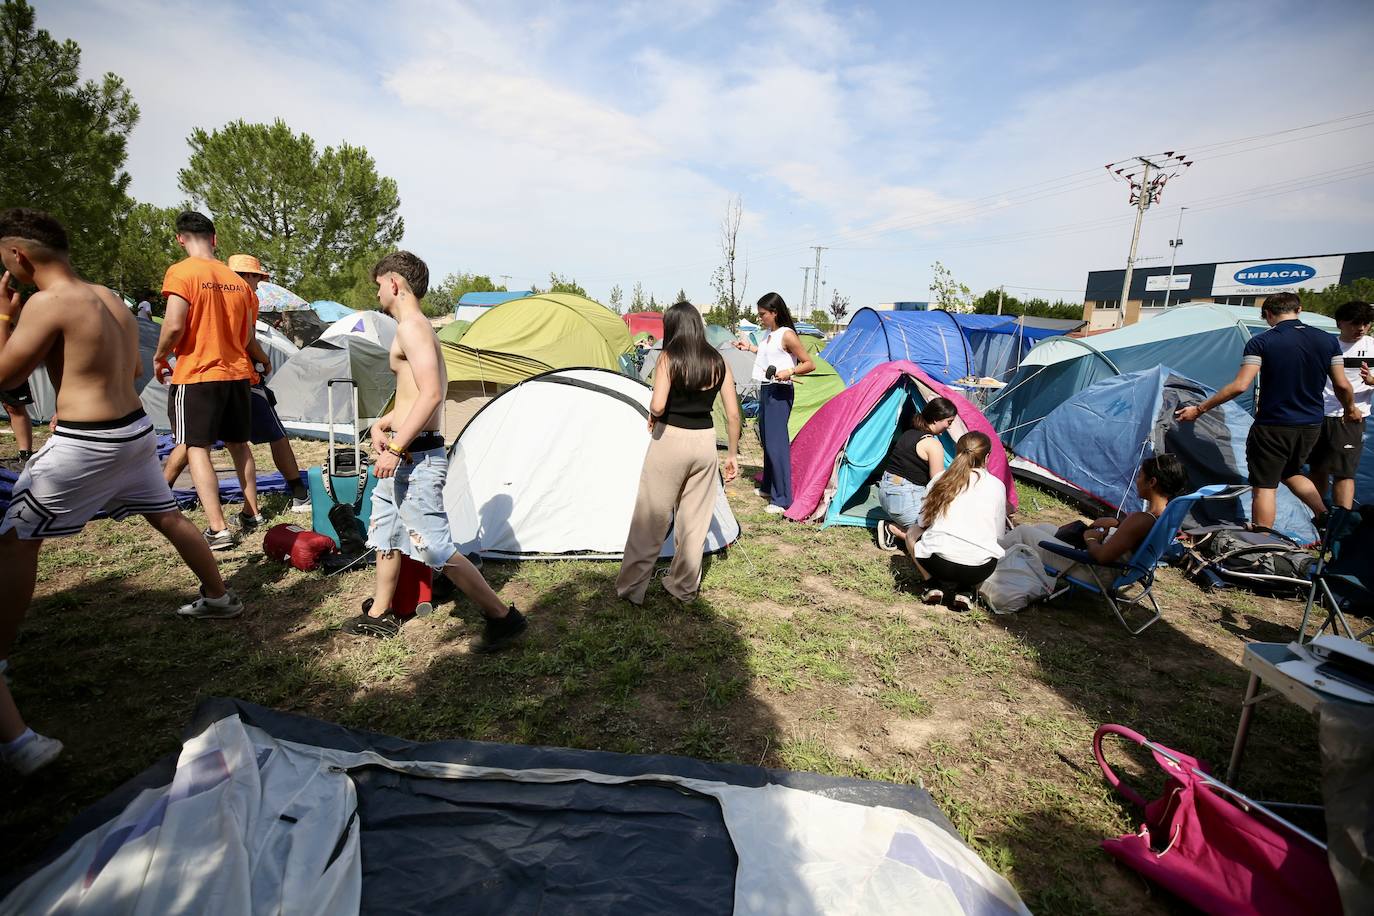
905	463
690	409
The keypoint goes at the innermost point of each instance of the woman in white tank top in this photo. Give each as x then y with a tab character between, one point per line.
781	358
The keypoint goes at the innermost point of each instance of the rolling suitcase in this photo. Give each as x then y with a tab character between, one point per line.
338	481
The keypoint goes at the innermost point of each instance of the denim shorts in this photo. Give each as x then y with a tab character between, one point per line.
408	511
901	501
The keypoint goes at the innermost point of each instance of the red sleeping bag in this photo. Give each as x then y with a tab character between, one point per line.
293	544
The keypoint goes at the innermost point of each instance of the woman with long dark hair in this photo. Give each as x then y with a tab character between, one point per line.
677	484
915	458
781	358
964	514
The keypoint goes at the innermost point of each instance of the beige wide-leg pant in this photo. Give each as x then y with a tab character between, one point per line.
677	487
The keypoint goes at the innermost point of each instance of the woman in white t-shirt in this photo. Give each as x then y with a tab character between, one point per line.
964	513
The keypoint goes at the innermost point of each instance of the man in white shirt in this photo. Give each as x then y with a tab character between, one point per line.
1337	453
145	309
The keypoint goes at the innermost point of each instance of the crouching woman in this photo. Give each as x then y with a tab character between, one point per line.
915	458
964	514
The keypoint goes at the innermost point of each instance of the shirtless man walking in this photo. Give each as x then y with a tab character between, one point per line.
102	455
408	502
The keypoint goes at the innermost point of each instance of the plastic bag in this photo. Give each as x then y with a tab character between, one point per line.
1019	579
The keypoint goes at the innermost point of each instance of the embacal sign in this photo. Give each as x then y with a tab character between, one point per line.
1258	278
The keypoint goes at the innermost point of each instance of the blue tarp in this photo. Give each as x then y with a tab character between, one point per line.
330	312
493	298
947	346
1097	438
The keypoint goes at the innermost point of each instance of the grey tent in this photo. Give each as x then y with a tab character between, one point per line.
741	363
301	385
266	812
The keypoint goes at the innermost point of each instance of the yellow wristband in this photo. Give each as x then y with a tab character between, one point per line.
6	318
395	449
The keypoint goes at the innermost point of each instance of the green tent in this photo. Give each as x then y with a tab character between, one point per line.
718	336
813	389
520	339
454	331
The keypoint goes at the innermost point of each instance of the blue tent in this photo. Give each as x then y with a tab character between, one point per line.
1094	442
946	345
1203	342
330	312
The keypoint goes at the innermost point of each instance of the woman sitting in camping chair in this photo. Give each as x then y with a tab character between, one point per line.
1109	540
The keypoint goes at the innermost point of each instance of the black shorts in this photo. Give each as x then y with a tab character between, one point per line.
1276	453
205	412
17	397
1338	449
266	424
948	575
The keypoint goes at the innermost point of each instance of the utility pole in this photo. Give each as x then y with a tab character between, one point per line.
1175	243
1000	291
1143	193
816	280
806	285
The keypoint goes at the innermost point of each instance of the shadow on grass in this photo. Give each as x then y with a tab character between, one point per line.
105	666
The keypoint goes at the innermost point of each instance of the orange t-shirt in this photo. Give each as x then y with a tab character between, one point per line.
214	347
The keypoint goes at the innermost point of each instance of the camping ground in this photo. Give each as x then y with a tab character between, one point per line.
808	650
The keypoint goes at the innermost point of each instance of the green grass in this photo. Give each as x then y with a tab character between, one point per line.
807	650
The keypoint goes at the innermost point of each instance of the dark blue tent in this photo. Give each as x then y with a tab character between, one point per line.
945	345
1095	441
1203	342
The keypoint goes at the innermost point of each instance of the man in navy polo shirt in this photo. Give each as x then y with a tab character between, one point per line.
1294	362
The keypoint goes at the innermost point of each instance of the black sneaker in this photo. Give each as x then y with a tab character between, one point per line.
383	627
501	632
884	536
25	454
220	540
250	522
964	602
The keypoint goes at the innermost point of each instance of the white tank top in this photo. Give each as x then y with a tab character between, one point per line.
772	353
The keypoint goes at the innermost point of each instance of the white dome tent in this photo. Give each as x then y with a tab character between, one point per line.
550	469
374	327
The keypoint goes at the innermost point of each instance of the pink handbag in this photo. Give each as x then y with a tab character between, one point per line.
1215	848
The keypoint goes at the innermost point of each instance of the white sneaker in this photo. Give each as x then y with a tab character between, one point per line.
219	540
38	751
774	510
301	504
221	608
758	491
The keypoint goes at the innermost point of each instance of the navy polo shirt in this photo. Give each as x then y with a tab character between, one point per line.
1295	363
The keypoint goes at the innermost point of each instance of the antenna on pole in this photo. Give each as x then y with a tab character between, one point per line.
1146	177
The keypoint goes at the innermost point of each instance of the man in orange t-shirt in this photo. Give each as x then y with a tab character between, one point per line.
209	327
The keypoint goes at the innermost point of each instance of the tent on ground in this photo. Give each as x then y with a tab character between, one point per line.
263	811
274	298
718	336
807	329
330	311
375	327
812	392
1200	342
837	457
948	346
1090	447
512	495
454	330
302	328
476	304
649	322
301	385
524	337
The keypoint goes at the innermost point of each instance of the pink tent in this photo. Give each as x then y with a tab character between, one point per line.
820	443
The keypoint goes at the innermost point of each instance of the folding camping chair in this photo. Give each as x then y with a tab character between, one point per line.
1139	573
1343	578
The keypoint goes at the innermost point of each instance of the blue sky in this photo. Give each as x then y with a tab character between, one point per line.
603	140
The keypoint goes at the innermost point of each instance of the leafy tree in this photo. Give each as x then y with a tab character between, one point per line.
637	301
1326	301
145	246
616	298
63	142
718	316
315	217
561	284
839	306
946	292
681	297
986	304
653	305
